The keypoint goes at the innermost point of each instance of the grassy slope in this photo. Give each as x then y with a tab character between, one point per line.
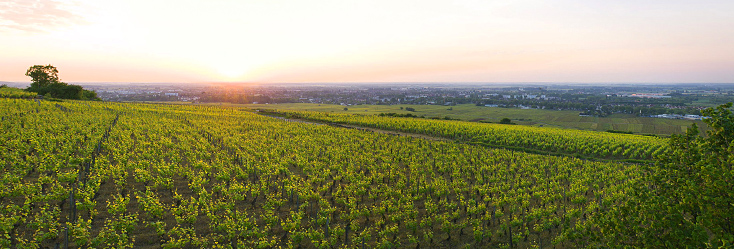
534	117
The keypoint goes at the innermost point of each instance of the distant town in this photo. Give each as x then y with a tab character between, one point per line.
672	101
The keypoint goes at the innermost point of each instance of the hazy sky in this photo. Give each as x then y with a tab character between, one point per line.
370	40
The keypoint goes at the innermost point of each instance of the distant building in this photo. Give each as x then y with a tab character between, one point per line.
678	116
648	95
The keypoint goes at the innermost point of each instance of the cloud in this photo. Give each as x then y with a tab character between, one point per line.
36	15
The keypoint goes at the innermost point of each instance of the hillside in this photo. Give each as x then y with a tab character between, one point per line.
529	117
540	140
150	176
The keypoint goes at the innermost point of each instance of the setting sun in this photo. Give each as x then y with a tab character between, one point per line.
370	41
232	72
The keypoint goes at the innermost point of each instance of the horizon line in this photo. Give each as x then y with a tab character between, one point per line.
384	82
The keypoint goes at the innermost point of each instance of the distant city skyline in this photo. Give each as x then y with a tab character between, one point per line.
654	41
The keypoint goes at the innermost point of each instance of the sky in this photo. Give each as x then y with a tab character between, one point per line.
269	41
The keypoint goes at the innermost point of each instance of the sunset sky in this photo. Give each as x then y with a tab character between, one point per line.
649	41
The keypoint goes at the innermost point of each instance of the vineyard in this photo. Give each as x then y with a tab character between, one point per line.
567	119
82	174
587	144
10	92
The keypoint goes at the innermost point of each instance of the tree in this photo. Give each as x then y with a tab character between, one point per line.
697	178
42	76
505	121
687	196
89	95
45	81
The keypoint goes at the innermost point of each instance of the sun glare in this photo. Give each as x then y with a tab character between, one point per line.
232	72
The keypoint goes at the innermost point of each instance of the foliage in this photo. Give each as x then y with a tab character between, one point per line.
11	92
585	144
172	176
392	114
686	198
622	132
528	117
505	121
42	76
45	81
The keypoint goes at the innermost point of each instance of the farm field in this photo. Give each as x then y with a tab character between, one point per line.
532	117
98	174
541	140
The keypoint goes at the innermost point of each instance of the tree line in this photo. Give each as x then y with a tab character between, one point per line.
45	82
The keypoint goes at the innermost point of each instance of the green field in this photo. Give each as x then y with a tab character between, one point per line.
533	117
82	174
93	174
11	92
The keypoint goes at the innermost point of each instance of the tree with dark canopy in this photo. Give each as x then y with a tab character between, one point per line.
42	76
505	121
45	81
